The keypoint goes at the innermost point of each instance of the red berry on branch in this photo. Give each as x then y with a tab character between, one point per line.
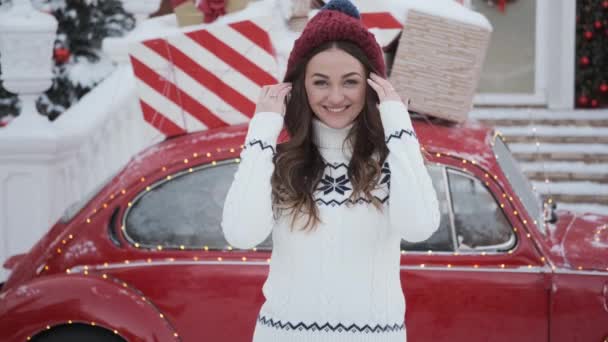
588	35
604	87
61	55
585	60
583	100
598	24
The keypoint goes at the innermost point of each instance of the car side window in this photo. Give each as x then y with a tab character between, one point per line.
442	239
185	210
479	222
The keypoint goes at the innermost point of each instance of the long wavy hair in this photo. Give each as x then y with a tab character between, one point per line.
298	164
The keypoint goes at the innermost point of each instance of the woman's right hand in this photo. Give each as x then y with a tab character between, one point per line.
272	98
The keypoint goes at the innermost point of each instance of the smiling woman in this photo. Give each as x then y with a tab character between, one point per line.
335	85
338	196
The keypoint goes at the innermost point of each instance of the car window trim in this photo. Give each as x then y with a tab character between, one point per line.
183	172
446	184
466	252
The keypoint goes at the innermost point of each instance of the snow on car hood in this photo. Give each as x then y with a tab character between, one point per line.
581	240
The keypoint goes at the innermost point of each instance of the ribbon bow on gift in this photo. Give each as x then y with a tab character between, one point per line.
212	9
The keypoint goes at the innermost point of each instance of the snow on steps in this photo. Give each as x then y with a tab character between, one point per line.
574	192
589	153
564	153
554	134
566	171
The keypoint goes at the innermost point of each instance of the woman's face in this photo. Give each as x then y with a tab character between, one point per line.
335	85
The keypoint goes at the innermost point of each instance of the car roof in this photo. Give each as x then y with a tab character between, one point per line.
469	140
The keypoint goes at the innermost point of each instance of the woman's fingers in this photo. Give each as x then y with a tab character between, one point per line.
272	98
274	91
377	88
389	91
283	92
385	84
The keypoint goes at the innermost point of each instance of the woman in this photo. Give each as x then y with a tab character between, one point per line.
338	196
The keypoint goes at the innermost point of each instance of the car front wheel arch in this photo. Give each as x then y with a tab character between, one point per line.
77	332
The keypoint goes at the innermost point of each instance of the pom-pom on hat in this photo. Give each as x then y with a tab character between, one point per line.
337	20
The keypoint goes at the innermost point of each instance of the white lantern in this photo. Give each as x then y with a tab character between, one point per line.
26	47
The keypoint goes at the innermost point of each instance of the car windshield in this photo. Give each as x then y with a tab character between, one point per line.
520	183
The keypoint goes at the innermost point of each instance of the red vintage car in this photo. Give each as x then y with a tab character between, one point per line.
144	257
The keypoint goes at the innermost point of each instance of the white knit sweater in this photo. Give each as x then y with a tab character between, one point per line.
340	282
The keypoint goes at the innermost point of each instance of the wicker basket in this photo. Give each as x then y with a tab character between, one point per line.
438	63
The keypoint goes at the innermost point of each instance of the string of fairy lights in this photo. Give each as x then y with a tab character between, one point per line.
549	200
468	166
209	155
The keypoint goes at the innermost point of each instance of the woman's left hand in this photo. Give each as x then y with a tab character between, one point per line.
383	88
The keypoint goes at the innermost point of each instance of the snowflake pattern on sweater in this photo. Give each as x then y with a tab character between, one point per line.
335	187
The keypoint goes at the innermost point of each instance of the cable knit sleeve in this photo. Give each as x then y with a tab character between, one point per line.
247	218
413	207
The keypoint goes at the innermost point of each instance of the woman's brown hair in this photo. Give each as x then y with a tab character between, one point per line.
298	163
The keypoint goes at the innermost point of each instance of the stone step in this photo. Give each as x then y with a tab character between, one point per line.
566	176
589	158
544	122
554	134
539	116
573	191
565	171
588	153
573	198
556	139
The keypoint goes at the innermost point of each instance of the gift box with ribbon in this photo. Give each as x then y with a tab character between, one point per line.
193	12
202	79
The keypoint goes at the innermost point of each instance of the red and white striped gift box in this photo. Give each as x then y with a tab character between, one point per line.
204	79
385	27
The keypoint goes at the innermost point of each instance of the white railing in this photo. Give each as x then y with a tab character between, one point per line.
46	167
41	176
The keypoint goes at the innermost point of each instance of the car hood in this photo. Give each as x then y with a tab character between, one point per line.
580	240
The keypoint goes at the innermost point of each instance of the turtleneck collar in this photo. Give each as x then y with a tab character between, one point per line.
327	137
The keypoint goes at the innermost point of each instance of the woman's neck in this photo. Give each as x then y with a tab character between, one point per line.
325	137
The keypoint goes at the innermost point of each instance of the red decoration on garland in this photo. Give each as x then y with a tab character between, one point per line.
597	24
585	60
604	88
583	100
588	35
594	103
61	55
605	4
